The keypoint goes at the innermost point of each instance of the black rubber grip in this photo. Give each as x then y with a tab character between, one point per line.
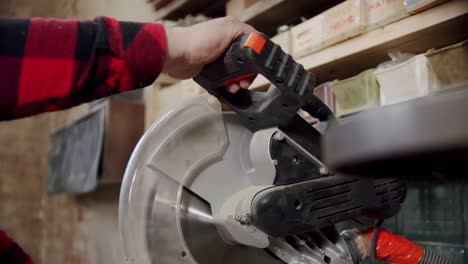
292	86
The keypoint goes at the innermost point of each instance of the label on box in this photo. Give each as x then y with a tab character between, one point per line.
381	12
343	21
307	36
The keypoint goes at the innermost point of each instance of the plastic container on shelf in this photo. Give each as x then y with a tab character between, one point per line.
343	21
406	80
450	65
307	37
324	92
356	94
382	12
415	6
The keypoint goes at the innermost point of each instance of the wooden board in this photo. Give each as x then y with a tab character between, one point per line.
124	126
440	26
267	15
181	8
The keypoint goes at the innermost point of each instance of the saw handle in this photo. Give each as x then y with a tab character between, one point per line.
253	54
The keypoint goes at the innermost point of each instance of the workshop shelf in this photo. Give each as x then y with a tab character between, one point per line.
437	27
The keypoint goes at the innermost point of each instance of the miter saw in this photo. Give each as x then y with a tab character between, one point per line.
248	185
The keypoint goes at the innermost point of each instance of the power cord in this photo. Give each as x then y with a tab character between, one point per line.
377	226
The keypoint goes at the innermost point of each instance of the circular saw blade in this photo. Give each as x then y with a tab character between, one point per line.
162	222
205	243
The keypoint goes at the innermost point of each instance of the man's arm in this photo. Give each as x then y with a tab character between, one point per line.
10	252
52	64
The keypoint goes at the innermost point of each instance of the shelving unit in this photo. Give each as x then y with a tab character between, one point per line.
181	8
267	15
437	27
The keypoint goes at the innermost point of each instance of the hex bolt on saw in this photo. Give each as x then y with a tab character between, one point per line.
249	185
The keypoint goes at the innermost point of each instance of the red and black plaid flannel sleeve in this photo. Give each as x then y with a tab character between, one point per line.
53	64
10	252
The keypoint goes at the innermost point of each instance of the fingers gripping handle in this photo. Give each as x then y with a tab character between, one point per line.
235	64
253	54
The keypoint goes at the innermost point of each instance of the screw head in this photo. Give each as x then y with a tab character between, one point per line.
244	220
323	171
278	136
237	217
295	160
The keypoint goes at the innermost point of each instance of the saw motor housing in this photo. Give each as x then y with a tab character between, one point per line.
304	196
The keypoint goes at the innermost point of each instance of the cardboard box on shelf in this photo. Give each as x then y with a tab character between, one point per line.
307	37
235	7
283	40
450	65
324	92
344	21
382	12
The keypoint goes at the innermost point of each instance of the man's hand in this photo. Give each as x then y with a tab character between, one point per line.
190	48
